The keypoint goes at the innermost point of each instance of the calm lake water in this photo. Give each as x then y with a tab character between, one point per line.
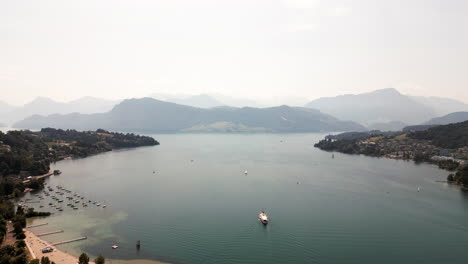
350	209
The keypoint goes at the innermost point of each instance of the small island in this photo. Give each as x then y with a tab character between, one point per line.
445	145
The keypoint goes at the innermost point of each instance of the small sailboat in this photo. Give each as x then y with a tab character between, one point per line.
263	217
245	172
419	188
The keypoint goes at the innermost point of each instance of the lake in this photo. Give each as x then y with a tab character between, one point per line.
199	207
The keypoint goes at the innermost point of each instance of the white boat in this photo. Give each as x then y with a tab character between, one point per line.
114	246
263	217
245	172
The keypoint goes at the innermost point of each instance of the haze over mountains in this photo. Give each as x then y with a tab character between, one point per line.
155	116
456	117
45	106
441	106
386	109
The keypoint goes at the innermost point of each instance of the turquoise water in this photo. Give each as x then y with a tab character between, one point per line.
350	209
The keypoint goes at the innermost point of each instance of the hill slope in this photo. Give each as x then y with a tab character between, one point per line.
201	101
154	116
448	119
446	136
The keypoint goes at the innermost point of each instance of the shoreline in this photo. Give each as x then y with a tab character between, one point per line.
34	245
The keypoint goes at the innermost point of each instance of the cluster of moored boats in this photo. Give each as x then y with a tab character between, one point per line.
60	195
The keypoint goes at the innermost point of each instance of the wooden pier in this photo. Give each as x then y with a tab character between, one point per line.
37	225
50	233
69	241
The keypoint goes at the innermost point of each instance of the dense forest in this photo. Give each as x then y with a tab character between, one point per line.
23	151
446	136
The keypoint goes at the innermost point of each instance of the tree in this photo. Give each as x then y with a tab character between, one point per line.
20	259
45	260
17	228
83	259
20	244
100	260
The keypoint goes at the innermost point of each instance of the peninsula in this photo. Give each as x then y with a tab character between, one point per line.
445	145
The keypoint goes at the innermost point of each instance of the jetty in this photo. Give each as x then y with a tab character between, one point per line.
50	233
37	225
38	177
69	241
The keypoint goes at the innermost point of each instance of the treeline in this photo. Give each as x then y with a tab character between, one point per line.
447	136
460	177
17	253
83	144
349	146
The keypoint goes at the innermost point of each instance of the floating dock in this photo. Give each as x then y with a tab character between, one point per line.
37	225
69	241
50	233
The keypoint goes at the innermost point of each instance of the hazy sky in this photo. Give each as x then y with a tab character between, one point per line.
257	49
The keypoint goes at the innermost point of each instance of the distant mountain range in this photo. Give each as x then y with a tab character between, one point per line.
154	116
386	109
456	117
47	106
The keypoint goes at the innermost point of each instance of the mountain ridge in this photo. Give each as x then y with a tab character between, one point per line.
152	115
455	117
